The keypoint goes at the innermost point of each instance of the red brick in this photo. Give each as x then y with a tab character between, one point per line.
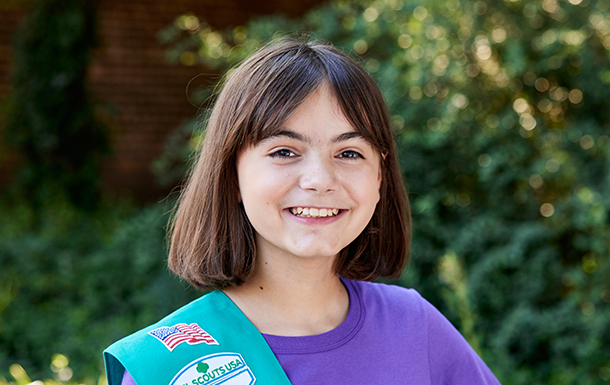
129	73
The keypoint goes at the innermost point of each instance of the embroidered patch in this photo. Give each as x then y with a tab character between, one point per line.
216	369
175	335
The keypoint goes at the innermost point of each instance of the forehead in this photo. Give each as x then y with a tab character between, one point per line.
319	116
319	113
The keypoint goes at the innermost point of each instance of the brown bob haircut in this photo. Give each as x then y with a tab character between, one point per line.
212	240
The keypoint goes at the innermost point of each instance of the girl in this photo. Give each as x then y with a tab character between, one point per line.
295	204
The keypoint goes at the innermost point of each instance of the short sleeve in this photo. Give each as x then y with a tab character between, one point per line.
452	360
127	380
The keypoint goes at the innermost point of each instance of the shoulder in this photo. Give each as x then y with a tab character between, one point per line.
401	309
399	299
185	314
413	319
208	333
406	305
380	295
157	342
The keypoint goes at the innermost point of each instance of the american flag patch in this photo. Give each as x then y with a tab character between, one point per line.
172	336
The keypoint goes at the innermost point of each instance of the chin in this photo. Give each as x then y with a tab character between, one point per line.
315	254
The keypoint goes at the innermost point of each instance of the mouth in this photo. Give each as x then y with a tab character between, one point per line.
312	212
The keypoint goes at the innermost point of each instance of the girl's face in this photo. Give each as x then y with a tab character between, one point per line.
312	188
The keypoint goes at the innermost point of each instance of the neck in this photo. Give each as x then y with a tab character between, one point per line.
292	296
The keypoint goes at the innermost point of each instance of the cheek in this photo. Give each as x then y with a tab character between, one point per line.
365	192
250	192
374	195
369	185
261	189
250	195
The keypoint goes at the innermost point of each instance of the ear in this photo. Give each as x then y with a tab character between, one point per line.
379	176
383	156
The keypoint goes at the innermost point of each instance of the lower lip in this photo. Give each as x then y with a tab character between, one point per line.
316	221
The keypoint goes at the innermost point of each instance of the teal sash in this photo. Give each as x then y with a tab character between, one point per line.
207	342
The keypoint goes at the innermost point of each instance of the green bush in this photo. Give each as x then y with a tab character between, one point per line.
76	272
501	115
62	374
81	282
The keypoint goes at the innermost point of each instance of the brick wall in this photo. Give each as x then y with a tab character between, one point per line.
129	74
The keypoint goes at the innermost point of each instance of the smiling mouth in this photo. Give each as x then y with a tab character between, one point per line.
307	212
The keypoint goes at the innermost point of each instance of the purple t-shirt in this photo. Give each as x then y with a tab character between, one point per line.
391	336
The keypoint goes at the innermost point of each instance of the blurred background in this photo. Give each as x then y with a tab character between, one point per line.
501	113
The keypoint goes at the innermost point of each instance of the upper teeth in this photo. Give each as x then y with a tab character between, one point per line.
313	212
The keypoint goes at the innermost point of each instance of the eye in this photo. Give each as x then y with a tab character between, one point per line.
282	153
350	154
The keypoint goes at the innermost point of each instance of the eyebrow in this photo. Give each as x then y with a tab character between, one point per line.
347	136
339	138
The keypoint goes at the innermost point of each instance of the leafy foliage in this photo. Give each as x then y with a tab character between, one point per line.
62	374
501	115
76	272
51	121
79	283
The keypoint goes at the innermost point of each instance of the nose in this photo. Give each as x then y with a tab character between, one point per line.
319	175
